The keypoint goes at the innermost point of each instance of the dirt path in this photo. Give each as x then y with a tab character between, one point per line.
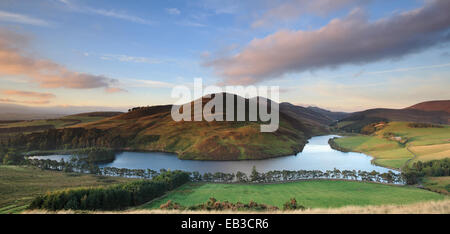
409	160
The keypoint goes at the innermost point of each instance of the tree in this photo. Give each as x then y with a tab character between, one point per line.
254	176
241	177
13	158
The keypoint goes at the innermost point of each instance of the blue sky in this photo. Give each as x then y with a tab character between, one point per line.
132	53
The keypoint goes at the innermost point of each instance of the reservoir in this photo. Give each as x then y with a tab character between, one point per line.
317	155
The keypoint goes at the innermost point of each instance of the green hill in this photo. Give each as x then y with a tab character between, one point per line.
152	129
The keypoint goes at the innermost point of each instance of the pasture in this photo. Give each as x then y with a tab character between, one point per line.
311	194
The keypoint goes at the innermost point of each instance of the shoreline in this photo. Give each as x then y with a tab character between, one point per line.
335	146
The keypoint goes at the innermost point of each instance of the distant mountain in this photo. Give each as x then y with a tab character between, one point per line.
428	112
334	116
443	105
311	114
152	128
20	112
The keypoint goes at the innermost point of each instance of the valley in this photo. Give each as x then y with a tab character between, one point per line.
394	145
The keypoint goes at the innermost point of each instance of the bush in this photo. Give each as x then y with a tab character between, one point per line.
213	204
13	158
292	205
424	125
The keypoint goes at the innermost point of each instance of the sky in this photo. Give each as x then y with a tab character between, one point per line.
343	55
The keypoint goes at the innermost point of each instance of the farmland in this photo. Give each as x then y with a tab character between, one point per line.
421	144
311	194
19	185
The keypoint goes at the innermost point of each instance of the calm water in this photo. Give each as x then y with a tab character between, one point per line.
317	155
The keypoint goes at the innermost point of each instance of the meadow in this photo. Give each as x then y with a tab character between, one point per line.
311	194
19	185
422	144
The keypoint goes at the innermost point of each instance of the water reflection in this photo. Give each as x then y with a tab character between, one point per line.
317	155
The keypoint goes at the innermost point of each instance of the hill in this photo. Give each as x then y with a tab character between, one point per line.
334	116
305	114
11	128
152	129
417	113
20	112
443	105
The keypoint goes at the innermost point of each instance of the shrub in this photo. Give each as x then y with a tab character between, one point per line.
292	205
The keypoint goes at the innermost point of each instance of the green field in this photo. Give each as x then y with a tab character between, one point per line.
438	184
311	194
19	185
422	144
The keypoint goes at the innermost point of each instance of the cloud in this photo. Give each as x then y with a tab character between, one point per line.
127	58
106	13
379	93
28	94
189	23
22	19
38	102
350	40
37	98
148	83
115	90
293	9
173	11
14	62
222	7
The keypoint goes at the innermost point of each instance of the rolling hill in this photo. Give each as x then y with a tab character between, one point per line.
443	105
333	116
17	112
434	112
10	128
152	129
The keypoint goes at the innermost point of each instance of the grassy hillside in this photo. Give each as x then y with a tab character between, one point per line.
152	128
311	194
436	112
443	105
11	128
438	184
399	144
386	144
19	185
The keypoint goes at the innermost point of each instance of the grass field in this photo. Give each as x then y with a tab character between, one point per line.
423	144
57	123
19	185
311	194
438	184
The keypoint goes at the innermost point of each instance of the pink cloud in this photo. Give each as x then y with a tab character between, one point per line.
38	102
115	90
46	73
350	40
28	94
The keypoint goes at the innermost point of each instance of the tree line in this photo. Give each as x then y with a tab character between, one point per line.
418	170
111	197
275	176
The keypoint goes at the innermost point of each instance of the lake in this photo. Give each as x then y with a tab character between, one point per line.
317	155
